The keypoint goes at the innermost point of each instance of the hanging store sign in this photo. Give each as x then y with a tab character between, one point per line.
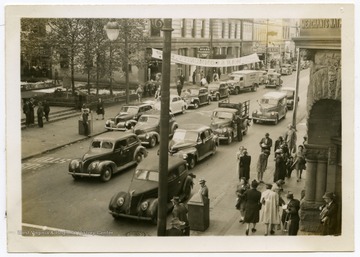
157	54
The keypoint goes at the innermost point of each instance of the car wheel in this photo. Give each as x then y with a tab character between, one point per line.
153	142
276	121
115	216
245	131
230	139
106	174
196	104
214	149
192	162
237	91
254	89
217	97
138	157
183	109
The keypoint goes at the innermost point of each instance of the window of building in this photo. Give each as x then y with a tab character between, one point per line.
183	27
193	31
154	31
223	30
236	31
203	28
229	30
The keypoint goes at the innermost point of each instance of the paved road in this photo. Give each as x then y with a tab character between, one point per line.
53	199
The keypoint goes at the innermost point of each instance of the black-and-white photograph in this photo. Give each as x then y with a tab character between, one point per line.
224	127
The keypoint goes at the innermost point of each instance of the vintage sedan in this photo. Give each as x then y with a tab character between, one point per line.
108	153
290	96
218	90
195	97
141	200
193	143
128	116
148	128
177	104
286	69
274	80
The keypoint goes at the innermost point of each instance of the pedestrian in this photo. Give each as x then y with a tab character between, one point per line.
278	143
269	213
158	93
290	138
203	82
31	111
328	214
261	165
100	108
244	165
241	188
40	115
46	109
194	77
219	73
285	151
280	166
266	144
26	111
56	77
176	227
208	78
299	162
204	190
252	207
180	211
292	214
182	79
179	87
289	166
85	119
139	91
215	76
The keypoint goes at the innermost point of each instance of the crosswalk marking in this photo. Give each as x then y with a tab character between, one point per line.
41	162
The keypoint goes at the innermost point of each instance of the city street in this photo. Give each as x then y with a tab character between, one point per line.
51	198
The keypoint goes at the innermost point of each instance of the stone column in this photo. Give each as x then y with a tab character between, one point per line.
320	181
310	183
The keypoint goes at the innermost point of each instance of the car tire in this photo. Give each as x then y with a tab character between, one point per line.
276	121
237	91
183	109
115	217
152	142
230	139
106	174
196	104
254	88
192	162
138	157
217	97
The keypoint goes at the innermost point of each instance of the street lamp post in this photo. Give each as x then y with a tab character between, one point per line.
112	29
164	124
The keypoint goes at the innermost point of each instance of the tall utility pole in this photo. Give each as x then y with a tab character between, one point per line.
126	60
267	43
164	126
296	97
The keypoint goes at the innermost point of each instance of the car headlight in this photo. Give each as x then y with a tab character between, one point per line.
224	130
74	165
120	201
185	156
147	136
144	206
93	165
255	111
272	113
191	100
211	92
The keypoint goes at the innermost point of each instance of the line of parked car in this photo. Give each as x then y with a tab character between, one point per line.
112	152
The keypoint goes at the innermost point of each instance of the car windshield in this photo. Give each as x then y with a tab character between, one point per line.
147	175
129	109
150	120
184	135
269	101
97	144
233	77
222	115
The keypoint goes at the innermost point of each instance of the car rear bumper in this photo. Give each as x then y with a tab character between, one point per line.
263	119
84	174
115	214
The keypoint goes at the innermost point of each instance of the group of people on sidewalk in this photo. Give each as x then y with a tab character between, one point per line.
42	111
270	207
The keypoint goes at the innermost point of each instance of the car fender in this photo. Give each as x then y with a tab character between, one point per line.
174	127
104	164
115	197
153	206
216	140
140	149
154	133
74	162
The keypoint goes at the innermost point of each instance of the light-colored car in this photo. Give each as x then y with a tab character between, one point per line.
286	69
177	104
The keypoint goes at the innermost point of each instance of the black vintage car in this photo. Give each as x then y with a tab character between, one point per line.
127	116
218	90
141	200
193	143
195	97
108	153
148	127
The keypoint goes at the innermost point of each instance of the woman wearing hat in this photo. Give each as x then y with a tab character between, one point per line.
252	207
299	162
261	165
328	214
280	166
292	214
241	188
269	213
244	165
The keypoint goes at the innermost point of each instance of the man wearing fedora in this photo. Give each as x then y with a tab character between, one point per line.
266	144
204	190
328	214
176	227
244	165
180	211
292	214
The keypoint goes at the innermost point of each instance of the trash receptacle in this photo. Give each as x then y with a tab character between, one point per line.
199	212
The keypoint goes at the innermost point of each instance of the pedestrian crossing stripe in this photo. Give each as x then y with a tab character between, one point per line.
43	162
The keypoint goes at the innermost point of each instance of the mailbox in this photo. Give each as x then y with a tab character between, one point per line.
199	212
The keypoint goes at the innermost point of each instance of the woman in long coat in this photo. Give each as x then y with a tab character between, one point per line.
280	166
269	214
252	207
244	165
241	188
